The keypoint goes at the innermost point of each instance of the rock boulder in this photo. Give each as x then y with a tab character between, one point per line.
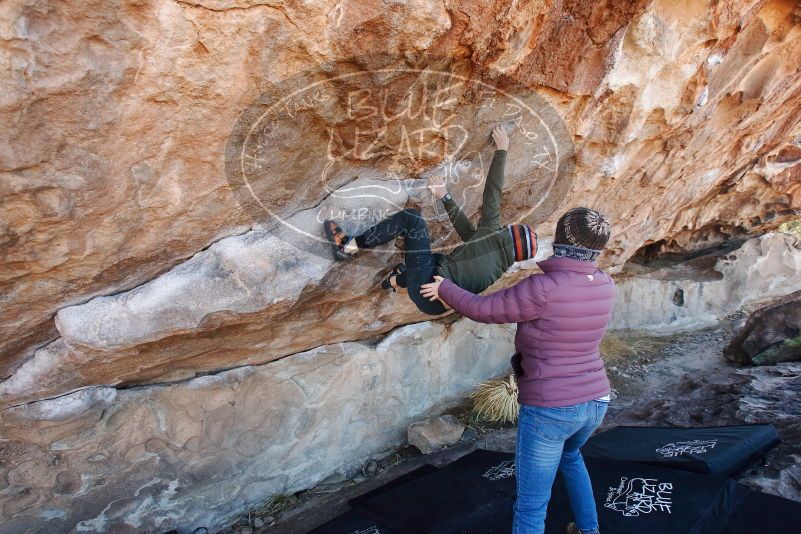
772	334
434	433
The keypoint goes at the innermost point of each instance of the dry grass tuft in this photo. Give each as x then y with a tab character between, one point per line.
496	400
621	345
280	503
791	227
614	347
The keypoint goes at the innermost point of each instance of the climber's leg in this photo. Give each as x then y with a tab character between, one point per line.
393	226
423	304
421	263
400	223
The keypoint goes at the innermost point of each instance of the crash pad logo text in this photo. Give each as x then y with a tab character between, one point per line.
505	469
637	496
696	446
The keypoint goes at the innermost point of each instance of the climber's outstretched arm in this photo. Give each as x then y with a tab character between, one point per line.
463	226
461	223
493	188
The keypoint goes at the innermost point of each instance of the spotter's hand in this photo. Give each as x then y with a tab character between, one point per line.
431	290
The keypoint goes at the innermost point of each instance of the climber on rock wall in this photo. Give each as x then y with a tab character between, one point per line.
488	250
563	391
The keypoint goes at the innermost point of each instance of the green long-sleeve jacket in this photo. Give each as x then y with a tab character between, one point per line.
487	251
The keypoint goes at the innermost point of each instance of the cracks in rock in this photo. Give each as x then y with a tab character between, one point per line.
126	290
24	167
183	259
369	343
243	8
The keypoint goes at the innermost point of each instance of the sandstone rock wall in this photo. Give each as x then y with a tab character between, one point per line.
681	298
113	164
200	452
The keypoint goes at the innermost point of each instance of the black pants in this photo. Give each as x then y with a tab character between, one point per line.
421	263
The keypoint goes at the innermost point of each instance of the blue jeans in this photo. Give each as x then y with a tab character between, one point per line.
547	439
421	263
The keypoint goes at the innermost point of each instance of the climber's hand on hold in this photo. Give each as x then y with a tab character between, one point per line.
500	138
431	290
436	184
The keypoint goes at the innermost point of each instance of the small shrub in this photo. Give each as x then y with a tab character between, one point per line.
496	400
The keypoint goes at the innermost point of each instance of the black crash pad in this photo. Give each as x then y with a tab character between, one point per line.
760	512
397	482
474	489
497	520
632	497
723	450
351	522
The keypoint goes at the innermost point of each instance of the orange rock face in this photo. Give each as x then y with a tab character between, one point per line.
678	120
166	164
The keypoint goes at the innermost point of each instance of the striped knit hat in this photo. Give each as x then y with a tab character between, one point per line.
524	240
582	227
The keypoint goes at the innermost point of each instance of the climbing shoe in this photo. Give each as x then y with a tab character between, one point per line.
396	271
340	241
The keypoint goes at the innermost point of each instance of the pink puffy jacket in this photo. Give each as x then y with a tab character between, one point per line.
561	315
